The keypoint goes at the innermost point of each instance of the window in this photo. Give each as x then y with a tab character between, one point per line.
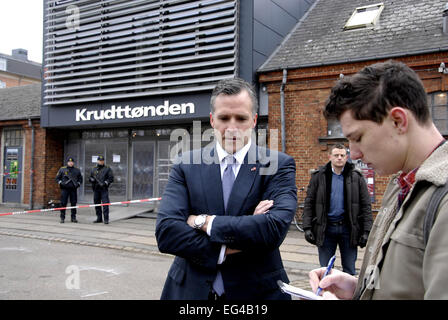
13	137
334	129
2	64
438	106
363	17
2	84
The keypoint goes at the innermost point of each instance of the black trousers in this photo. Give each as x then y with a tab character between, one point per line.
101	196
65	195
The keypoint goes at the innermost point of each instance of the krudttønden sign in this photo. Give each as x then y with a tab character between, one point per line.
127	112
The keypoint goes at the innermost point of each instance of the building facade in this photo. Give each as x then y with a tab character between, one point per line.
17	70
30	154
319	50
121	77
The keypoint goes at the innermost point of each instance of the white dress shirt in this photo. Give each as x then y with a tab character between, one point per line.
239	159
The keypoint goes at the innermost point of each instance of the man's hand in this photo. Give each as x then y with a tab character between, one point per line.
363	240
309	236
336	285
190	222
263	207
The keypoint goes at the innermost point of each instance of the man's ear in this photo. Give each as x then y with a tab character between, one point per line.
211	120
400	119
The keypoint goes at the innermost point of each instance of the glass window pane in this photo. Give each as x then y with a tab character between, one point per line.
440	112
440	99
442	125
334	128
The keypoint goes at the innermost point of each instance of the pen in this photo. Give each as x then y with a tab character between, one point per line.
329	267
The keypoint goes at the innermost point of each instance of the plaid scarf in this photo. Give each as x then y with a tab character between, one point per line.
405	181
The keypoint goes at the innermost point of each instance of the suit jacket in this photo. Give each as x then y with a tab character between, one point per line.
196	188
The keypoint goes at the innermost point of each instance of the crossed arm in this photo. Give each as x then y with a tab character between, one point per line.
262	208
262	231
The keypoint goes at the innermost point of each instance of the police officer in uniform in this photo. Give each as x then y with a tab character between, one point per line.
101	178
69	179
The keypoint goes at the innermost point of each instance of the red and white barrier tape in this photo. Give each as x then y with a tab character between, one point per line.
82	206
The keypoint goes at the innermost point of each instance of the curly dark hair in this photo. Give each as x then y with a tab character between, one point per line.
376	89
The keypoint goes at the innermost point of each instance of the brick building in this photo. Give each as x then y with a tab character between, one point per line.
325	44
30	155
121	76
17	70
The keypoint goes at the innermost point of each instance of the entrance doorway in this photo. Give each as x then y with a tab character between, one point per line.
12	179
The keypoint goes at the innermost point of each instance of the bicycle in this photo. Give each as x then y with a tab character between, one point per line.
298	221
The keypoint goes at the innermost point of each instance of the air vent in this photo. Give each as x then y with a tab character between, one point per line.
117	49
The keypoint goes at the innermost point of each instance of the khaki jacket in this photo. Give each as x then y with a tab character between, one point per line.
403	267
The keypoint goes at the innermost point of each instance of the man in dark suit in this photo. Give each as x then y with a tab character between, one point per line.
225	215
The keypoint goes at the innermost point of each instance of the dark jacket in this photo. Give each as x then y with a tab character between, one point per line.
101	177
69	177
358	212
197	189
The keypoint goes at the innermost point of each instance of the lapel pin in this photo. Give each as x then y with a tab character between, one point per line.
253	169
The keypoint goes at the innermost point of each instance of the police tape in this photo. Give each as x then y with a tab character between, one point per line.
81	206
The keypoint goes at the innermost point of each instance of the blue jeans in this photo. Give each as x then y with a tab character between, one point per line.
338	235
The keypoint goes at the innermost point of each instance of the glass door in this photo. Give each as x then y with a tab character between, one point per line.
143	169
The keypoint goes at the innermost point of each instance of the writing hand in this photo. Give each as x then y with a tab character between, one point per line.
336	285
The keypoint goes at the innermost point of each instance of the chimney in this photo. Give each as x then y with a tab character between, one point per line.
445	19
20	54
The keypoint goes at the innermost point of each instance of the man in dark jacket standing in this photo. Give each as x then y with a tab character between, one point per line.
101	177
69	179
337	210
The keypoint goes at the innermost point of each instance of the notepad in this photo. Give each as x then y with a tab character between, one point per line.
297	292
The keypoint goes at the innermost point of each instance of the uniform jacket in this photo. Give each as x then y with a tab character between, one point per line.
69	177
197	189
358	210
404	267
101	177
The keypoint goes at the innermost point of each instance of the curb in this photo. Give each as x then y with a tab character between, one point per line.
82	242
126	248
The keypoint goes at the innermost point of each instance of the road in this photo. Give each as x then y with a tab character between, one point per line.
48	270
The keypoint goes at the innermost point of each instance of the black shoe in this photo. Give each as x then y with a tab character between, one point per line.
74	220
97	221
62	221
106	222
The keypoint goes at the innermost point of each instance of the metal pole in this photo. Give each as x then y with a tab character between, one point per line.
32	164
282	109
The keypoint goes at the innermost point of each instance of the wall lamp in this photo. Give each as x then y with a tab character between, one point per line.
442	68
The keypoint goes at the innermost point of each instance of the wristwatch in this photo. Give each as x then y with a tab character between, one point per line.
199	221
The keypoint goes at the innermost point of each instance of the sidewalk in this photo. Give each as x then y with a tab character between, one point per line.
137	235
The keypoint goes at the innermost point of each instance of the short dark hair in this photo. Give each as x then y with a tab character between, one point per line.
337	146
233	87
376	89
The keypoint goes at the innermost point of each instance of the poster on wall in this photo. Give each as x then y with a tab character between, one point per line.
369	176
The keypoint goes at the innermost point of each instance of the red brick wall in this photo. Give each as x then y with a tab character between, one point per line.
48	155
13	80
305	94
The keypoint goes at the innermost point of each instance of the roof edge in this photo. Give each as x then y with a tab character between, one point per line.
348	60
288	36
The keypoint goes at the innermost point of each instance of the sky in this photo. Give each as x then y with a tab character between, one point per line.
21	27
